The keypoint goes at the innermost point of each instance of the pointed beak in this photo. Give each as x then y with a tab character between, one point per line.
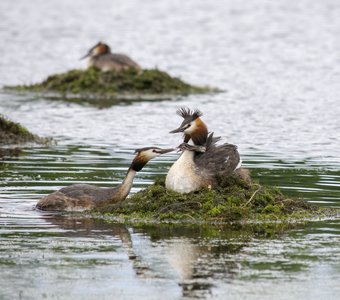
179	129
162	151
86	55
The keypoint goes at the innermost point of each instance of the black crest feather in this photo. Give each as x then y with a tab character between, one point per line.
187	113
211	140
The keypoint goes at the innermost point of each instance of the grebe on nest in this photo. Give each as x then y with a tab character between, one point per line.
101	57
199	164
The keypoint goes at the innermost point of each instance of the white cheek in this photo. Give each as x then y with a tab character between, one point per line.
191	129
154	155
151	154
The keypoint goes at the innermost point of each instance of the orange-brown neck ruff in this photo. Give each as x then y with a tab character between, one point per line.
139	162
102	49
200	134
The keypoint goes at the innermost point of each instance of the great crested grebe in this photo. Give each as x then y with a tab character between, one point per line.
79	197
199	164
100	57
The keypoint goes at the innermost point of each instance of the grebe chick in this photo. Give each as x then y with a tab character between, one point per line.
199	166
79	197
100	57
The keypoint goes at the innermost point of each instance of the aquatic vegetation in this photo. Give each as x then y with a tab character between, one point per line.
93	82
235	233
233	201
12	133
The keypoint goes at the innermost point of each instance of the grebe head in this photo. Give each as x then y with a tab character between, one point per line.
143	155
192	125
98	49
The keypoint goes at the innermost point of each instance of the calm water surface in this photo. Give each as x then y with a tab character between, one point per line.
279	66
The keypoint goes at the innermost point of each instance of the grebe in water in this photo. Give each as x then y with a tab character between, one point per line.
79	197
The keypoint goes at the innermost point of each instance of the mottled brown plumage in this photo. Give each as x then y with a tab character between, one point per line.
216	160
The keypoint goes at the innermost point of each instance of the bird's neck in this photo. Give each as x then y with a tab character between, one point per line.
137	164
200	134
187	155
126	185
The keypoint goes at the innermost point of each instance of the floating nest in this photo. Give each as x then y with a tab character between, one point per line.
92	83
232	201
12	133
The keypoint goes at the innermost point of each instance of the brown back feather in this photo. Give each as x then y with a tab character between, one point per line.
217	160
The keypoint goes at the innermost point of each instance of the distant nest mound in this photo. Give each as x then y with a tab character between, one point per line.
14	134
112	84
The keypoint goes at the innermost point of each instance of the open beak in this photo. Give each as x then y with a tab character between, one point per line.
86	55
162	151
179	129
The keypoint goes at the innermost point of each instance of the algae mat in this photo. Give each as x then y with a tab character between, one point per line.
12	133
127	85
233	201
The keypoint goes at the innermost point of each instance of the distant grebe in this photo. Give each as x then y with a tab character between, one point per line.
100	57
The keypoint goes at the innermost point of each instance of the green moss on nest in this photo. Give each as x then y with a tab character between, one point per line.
12	133
234	200
94	82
